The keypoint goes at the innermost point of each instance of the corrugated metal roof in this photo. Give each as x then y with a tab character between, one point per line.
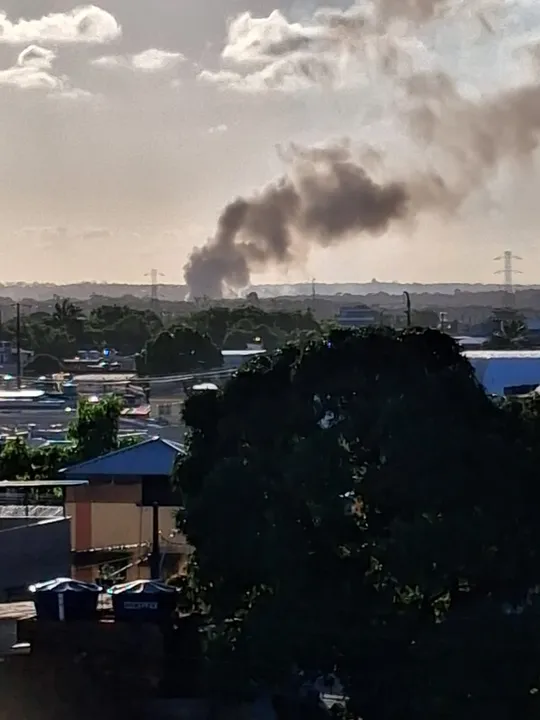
500	369
31	511
105	378
471	340
155	456
502	354
242	353
26	484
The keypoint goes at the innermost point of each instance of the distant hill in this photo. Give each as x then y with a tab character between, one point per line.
175	293
374	288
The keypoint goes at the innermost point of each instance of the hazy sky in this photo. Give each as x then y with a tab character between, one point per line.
125	128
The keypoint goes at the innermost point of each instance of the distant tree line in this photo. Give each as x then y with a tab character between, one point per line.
163	344
168	343
469	309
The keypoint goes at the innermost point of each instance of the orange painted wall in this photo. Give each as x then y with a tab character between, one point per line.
101	525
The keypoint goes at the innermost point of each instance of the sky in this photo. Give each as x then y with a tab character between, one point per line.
126	127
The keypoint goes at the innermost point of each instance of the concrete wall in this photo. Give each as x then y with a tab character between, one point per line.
33	553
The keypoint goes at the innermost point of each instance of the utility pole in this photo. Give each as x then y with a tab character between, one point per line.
18	341
155	559
408	308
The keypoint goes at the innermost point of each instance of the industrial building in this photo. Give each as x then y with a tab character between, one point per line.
506	372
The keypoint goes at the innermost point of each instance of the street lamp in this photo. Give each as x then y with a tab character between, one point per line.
18	339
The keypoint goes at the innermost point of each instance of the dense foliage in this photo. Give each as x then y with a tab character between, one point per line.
360	507
179	350
166	344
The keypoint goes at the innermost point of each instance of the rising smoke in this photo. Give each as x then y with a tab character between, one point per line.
327	195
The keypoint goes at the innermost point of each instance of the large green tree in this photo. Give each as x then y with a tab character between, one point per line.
94	432
359	506
179	350
218	322
123	328
95	429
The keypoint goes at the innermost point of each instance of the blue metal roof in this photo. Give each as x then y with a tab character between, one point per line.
500	369
151	457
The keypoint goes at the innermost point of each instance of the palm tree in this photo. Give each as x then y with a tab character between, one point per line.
509	333
65	312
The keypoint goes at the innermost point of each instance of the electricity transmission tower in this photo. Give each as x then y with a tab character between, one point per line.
508	271
154	286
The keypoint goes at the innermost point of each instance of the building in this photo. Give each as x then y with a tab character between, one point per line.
506	372
471	342
34	539
111	517
8	356
357	316
104	383
167	409
233	359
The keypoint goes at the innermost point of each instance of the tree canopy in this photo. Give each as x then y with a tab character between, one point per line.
94	432
179	350
360	507
166	344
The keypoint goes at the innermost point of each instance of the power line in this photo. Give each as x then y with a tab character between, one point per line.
158	379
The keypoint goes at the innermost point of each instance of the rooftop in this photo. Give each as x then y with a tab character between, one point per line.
33	484
242	353
155	456
105	378
21	394
500	370
502	354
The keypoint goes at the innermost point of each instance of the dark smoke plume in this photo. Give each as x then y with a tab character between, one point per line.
328	196
325	198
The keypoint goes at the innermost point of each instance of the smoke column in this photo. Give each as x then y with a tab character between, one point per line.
327	196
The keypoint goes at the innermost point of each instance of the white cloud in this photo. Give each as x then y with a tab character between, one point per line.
217	129
251	39
296	72
334	48
36	56
73	93
151	60
84	24
32	71
108	61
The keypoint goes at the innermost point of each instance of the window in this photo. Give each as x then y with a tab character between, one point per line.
165	409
